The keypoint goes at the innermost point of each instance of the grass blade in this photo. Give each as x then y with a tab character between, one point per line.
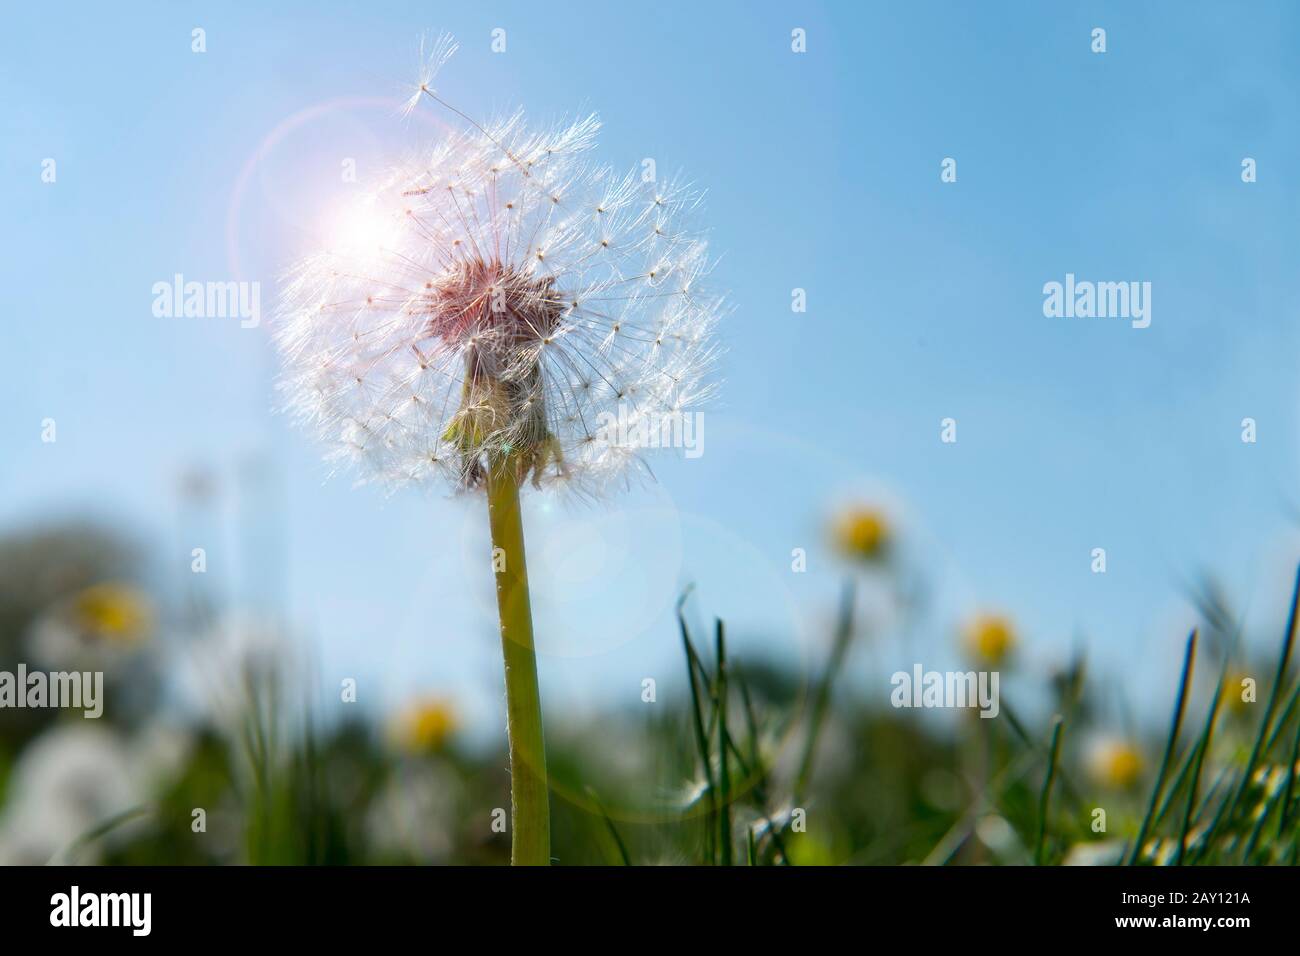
697	722
822	695
1177	724
724	772
613	830
68	855
1057	724
1200	749
1283	660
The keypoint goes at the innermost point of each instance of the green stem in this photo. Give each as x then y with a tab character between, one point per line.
530	825
1041	843
822	696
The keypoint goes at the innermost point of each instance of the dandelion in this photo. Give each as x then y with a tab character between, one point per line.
426	725
490	303
990	638
861	533
72	778
100	626
493	304
1237	694
111	612
1114	763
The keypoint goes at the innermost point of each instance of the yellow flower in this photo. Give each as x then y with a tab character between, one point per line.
990	638
1115	763
115	613
1237	695
862	532
426	725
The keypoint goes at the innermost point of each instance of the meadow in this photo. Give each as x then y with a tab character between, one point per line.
741	764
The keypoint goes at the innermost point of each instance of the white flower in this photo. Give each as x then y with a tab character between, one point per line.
501	298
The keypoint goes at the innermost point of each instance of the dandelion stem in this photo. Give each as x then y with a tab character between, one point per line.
529	800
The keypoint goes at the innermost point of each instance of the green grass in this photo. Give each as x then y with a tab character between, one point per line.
740	765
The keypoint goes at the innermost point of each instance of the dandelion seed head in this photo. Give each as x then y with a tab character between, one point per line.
500	297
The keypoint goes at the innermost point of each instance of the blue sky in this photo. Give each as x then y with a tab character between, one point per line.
822	171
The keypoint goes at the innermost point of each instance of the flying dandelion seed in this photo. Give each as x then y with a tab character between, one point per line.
489	309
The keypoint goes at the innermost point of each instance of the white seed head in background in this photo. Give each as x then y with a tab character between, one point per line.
497	299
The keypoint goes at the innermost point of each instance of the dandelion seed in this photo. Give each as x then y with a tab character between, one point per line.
433	56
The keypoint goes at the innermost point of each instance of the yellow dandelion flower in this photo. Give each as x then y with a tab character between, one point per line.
426	725
115	613
862	533
1238	694
1115	763
990	638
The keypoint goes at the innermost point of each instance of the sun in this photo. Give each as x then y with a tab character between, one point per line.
362	228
